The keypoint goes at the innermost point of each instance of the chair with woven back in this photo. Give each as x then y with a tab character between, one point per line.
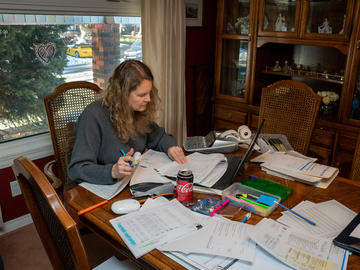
290	108
63	107
355	167
56	228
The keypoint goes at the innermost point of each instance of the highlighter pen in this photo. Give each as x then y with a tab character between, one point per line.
256	203
122	152
92	207
246	218
219	207
249	196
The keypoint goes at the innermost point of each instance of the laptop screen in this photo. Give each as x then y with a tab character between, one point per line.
235	164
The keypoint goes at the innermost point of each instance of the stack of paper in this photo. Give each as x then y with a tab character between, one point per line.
207	243
149	228
331	217
155	167
297	249
294	166
106	192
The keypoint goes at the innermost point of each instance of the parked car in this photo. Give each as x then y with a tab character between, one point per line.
80	50
123	47
135	51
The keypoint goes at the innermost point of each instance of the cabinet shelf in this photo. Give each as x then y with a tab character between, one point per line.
299	75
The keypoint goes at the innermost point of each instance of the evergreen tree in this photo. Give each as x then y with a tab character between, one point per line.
29	71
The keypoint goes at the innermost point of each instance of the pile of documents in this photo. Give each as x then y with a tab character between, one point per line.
202	242
156	168
294	166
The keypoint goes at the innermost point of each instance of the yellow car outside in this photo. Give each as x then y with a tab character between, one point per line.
80	50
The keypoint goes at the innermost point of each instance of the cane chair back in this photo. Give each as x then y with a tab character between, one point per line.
290	108
355	168
63	107
56	228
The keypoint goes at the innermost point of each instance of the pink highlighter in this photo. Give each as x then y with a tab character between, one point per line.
219	207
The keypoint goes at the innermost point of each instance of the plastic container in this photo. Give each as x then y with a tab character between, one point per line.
250	204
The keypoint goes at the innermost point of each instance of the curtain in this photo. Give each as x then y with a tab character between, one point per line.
164	33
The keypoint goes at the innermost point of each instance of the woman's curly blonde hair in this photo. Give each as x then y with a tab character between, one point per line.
126	78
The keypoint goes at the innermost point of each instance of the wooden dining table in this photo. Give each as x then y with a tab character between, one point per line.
341	189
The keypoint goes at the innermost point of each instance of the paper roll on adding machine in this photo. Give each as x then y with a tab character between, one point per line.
219	142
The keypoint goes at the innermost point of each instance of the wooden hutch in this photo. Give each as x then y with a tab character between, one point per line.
259	42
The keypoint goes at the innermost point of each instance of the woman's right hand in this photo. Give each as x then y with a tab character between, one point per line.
122	167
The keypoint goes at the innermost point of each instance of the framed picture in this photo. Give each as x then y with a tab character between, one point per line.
194	13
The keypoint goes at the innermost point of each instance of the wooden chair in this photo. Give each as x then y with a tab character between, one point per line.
290	107
56	228
355	168
63	108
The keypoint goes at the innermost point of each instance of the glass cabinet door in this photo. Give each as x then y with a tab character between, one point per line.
355	106
234	46
327	19
236	17
279	18
233	67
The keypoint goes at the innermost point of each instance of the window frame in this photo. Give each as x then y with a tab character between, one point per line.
40	146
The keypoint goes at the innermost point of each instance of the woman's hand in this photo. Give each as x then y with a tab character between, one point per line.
122	167
176	153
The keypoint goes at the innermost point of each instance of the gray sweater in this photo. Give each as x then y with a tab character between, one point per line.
97	147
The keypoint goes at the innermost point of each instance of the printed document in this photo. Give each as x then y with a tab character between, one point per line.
143	231
206	168
331	217
155	167
221	237
296	166
106	192
296	249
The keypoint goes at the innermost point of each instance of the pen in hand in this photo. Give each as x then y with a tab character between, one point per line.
123	153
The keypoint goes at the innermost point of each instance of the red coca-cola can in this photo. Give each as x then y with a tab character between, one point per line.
184	186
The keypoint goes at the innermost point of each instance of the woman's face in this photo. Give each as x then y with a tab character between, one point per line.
140	97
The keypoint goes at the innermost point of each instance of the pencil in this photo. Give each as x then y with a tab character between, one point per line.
292	211
92	207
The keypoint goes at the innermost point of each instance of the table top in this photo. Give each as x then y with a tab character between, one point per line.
343	190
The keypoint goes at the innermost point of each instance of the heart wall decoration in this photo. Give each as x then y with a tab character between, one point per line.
44	52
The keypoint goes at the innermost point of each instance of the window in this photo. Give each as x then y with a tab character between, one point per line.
40	52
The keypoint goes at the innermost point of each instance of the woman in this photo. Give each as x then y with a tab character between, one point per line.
123	119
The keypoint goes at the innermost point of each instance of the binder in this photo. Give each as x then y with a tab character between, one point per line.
344	240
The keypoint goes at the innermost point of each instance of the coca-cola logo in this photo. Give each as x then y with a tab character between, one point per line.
185	188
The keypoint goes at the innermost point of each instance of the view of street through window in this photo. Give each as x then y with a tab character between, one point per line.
40	52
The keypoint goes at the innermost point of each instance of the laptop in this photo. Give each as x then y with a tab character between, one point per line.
235	164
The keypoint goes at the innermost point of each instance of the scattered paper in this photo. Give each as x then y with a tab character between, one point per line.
296	249
221	237
331	217
106	192
143	231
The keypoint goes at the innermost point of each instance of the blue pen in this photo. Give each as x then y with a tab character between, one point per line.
122	151
292	211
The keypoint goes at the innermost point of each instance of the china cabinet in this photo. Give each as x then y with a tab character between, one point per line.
262	41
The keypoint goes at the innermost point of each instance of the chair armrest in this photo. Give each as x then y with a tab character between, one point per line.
49	172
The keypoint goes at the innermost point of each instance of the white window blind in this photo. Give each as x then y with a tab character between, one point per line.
89	7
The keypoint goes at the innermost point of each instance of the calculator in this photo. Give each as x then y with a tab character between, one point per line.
198	142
